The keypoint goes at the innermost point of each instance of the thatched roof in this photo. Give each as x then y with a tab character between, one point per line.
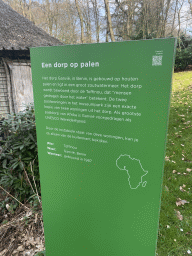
18	33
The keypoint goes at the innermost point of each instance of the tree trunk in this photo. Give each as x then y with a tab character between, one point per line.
190	3
179	23
81	21
130	19
22	7
107	32
109	20
30	13
173	24
165	18
88	23
96	15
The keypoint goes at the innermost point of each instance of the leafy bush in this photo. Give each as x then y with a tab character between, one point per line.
183	58
183	53
19	157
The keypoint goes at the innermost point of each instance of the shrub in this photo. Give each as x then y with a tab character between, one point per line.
19	155
183	56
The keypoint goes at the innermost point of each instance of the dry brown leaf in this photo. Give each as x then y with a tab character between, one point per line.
181	202
188	122
167	158
181	188
179	216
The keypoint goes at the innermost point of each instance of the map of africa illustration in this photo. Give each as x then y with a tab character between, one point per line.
134	170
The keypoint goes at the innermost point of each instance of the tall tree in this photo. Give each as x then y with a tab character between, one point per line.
190	4
96	17
81	21
109	20
179	20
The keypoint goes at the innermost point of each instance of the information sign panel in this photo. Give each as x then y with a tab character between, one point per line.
102	115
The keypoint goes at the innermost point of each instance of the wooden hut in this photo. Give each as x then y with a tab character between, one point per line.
17	35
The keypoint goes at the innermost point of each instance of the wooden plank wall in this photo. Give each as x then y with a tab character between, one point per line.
4	104
21	81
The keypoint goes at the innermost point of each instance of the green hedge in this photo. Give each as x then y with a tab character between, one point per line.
183	53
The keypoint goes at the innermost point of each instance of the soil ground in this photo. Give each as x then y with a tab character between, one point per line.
21	233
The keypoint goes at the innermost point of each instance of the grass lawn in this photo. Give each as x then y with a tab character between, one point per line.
175	223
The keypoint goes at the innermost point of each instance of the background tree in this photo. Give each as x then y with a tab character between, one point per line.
109	22
90	21
81	21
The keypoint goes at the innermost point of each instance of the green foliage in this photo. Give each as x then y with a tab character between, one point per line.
12	205
183	53
19	150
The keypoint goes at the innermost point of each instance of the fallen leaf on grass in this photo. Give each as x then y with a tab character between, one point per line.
181	202
187	127
174	171
182	189
188	170
166	188
188	122
167	158
179	216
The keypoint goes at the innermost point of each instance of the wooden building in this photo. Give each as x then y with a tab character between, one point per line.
17	35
